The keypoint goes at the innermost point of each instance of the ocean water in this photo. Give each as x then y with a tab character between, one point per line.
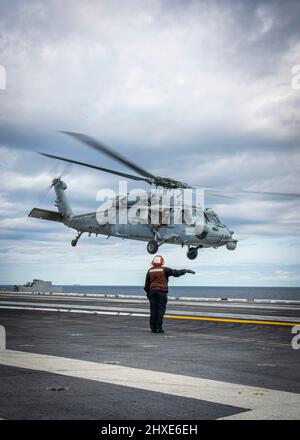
291	293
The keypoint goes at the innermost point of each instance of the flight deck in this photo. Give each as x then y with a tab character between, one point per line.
94	357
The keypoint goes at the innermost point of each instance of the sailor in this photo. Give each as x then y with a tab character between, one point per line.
156	286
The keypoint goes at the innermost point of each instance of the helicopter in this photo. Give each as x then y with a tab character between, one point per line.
174	223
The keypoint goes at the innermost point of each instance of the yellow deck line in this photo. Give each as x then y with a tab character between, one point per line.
240	321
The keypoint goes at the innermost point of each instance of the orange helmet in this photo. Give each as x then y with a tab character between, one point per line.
158	261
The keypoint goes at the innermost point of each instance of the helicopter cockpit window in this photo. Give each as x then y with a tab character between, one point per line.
207	219
218	220
213	218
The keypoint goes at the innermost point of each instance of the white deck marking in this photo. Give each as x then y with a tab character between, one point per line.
259	403
69	310
143	300
140	311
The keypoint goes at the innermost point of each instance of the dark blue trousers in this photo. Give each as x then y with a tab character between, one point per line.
158	302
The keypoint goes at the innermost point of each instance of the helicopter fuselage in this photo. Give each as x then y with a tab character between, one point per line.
203	230
214	235
195	236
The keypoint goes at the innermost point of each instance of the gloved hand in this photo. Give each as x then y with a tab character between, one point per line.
189	271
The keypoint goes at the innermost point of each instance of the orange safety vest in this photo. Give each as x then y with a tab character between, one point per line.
158	279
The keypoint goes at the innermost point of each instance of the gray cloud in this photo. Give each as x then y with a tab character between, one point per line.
200	91
146	74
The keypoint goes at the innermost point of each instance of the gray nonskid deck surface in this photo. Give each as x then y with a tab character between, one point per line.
270	312
257	356
39	395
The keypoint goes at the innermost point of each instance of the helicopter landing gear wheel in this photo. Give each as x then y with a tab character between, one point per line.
75	240
192	253
152	247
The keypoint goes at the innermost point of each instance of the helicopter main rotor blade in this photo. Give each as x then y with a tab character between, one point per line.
219	193
106	170
216	193
273	194
91	142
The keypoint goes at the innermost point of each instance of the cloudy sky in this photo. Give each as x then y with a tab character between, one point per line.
197	90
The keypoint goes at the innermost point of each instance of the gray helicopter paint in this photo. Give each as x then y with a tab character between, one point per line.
216	235
62	203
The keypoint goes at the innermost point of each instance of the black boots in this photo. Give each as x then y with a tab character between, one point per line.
160	330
